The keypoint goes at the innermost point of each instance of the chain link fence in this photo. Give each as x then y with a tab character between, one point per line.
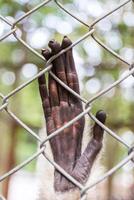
88	103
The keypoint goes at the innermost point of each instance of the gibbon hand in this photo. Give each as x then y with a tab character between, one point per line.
60	106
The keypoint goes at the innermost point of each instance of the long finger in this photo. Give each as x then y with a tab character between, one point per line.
59	67
70	67
44	96
72	77
53	91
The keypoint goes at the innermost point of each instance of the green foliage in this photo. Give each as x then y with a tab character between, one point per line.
26	147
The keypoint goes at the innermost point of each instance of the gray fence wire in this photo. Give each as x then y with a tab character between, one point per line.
88	103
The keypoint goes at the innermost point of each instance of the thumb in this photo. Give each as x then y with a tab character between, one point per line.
83	166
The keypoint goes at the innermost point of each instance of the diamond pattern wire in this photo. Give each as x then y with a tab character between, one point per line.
88	103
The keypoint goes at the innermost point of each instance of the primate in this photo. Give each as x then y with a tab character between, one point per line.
60	106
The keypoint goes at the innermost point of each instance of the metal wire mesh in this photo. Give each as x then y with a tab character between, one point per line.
88	103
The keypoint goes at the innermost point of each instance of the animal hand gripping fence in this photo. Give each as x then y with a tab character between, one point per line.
72	176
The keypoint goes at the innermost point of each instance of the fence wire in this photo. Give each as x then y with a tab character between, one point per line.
88	103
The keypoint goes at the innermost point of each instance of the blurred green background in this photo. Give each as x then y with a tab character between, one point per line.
96	69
